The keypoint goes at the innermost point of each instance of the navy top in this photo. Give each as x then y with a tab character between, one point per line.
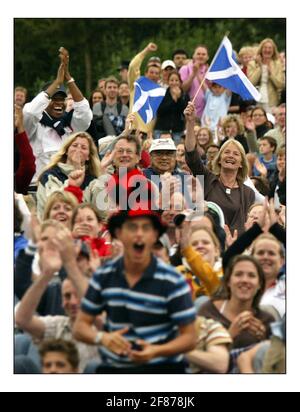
62	177
152	310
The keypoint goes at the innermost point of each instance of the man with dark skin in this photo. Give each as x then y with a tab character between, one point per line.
45	120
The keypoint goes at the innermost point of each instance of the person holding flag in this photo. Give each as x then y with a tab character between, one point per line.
193	75
145	93
225	71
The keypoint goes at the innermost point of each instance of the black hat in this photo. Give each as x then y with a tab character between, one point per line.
117	220
59	90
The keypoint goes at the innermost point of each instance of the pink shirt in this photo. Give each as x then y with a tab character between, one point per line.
185	72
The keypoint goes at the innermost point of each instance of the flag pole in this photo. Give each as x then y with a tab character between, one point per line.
204	78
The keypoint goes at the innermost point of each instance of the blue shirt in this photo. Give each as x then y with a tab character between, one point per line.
20	242
152	310
216	107
270	165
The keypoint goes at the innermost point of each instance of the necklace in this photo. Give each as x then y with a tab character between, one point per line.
227	188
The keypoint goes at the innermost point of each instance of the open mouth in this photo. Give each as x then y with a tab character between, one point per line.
62	218
58	109
139	247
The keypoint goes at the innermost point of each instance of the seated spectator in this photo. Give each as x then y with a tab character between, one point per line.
237	306
279	132
267	157
266	72
24	160
211	154
233	129
167	67
211	354
126	340
110	115
60	206
262	184
163	160
205	139
88	226
96	97
55	327
201	251
20	242
179	57
256	126
59	356
47	123
123	70
267	357
266	238
278	180
180	158
76	162
20	96
124	93
246	54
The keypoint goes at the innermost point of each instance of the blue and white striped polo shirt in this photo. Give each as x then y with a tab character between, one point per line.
152	310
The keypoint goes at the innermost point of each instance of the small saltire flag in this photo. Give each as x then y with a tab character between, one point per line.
147	98
225	71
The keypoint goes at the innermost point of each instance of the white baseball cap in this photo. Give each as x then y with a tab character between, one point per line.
168	63
163	144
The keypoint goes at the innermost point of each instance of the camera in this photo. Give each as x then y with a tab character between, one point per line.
186	215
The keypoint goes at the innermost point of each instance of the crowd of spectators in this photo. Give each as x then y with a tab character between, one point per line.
152	247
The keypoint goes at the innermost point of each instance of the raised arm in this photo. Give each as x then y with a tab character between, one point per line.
136	62
193	158
71	83
25	316
190	117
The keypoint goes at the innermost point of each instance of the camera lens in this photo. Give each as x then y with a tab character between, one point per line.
179	219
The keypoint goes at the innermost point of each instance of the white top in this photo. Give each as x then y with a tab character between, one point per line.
44	140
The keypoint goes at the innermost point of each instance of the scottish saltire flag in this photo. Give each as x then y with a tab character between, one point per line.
225	71
147	98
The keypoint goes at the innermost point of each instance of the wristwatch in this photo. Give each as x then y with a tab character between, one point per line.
98	338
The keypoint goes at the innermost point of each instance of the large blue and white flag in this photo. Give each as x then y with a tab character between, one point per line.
226	72
147	98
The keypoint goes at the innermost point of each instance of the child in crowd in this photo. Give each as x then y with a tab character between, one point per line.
217	105
267	157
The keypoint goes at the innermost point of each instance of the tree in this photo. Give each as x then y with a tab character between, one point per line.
97	46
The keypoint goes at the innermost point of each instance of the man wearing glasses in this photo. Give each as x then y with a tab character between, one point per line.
163	158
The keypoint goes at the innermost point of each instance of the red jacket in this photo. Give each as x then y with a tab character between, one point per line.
26	165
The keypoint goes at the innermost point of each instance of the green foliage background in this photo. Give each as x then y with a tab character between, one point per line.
97	46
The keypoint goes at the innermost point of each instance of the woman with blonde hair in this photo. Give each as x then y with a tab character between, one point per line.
225	186
201	251
266	72
246	54
60	207
76	164
204	138
233	128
